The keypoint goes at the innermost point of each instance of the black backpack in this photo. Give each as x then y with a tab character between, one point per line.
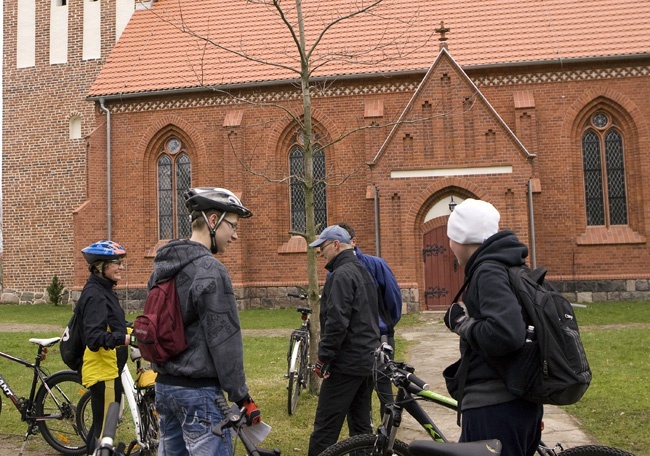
72	345
159	331
551	367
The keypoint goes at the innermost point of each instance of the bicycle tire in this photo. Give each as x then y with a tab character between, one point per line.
594	450
295	363
61	433
84	415
149	426
366	445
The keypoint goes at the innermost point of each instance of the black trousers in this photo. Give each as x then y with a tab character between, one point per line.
101	396
341	396
517	424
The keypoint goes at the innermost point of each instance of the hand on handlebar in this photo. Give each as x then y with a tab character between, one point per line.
253	414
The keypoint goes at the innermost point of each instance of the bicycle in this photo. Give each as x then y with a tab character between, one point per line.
52	408
140	396
298	357
410	390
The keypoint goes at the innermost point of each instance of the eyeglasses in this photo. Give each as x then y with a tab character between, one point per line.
234	226
117	261
322	247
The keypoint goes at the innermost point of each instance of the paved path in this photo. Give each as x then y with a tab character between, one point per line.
433	348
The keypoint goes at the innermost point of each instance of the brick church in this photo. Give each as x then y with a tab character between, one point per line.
112	108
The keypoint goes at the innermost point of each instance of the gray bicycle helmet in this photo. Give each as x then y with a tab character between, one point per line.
219	199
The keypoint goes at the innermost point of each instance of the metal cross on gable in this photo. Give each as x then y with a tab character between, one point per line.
442	30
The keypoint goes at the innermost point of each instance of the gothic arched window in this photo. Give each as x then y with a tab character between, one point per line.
297	171
604	171
174	177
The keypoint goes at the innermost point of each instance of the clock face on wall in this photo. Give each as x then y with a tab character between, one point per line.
173	146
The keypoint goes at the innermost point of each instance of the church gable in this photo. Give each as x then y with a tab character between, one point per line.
448	123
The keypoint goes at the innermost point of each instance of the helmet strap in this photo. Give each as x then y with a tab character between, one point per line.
213	232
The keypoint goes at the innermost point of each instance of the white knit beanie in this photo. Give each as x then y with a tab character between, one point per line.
472	222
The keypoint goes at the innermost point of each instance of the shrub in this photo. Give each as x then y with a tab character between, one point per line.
55	290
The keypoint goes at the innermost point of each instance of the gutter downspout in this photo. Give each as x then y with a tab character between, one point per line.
377	237
108	165
531	217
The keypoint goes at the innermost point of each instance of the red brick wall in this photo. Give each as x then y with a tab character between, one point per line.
265	137
55	188
44	172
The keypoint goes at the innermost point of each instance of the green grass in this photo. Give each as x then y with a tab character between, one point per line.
615	409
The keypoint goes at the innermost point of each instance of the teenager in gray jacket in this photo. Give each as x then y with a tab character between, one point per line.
213	363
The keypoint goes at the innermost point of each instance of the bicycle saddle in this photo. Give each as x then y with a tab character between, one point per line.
431	448
45	342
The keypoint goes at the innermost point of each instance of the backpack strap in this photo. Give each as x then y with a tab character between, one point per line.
464	364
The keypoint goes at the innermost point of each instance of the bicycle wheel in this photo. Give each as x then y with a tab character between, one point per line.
594	450
295	367
366	445
59	428
84	415
149	423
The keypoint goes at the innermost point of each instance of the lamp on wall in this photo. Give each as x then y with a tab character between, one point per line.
452	204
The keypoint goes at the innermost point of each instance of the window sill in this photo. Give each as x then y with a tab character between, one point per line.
618	234
295	244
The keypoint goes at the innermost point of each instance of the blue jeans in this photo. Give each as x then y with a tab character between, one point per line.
186	415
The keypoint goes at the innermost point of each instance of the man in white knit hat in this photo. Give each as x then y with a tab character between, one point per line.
490	325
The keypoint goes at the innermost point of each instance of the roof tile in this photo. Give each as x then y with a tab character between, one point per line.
217	42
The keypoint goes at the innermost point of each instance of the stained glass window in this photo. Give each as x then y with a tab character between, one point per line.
604	173
174	178
297	170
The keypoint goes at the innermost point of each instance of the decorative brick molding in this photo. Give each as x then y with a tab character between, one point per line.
592	74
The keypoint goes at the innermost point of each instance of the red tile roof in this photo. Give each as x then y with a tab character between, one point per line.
156	53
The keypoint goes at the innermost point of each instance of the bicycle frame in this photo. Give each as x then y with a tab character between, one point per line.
408	386
25	407
130	392
50	406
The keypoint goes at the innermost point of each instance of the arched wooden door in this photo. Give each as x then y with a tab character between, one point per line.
443	276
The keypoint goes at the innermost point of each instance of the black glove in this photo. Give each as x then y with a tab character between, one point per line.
253	414
455	316
322	369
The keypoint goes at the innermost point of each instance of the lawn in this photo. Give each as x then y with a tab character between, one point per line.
615	409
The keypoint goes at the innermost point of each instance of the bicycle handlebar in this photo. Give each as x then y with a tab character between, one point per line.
302	296
234	417
110	428
401	374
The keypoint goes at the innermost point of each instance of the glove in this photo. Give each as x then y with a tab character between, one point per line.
322	369
455	316
253	414
458	321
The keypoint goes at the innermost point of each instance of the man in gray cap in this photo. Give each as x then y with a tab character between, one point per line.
349	334
491	327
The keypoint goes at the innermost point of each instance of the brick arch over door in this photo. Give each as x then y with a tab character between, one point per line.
440	276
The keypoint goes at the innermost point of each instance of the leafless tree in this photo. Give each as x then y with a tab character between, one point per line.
308	55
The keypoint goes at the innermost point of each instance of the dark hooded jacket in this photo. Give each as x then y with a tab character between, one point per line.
498	329
348	316
215	353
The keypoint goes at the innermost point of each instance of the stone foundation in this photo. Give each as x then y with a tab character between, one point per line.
276	297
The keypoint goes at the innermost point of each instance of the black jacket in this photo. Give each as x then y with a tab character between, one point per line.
348	316
499	327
